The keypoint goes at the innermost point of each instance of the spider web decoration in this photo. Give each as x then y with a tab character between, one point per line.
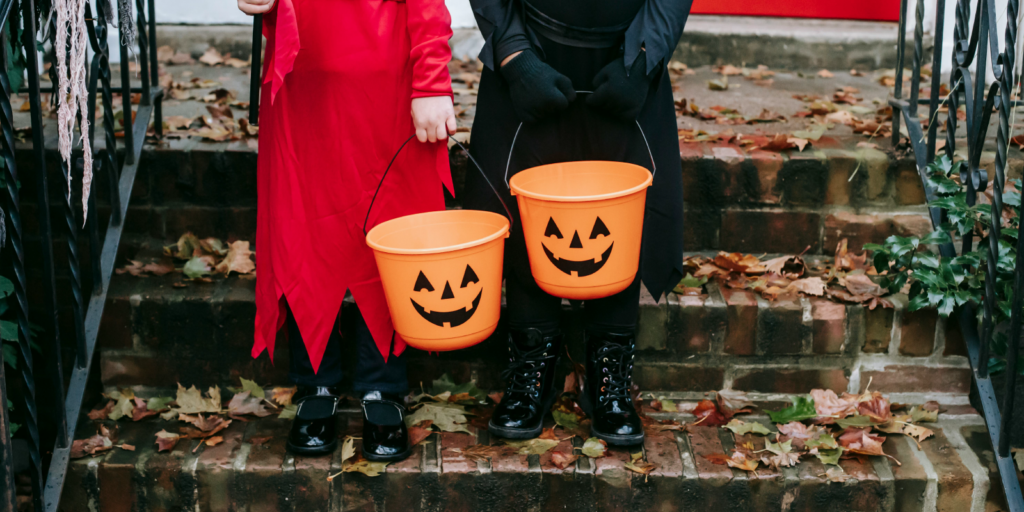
72	90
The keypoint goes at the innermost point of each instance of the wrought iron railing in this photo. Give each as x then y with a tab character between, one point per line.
974	43
88	299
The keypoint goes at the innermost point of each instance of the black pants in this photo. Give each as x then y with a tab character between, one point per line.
372	373
527	306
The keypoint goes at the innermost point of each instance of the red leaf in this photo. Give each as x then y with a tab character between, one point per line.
708	415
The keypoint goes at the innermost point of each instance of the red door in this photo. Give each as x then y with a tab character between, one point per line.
874	10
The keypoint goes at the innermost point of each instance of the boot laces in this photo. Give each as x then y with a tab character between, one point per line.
526	368
616	363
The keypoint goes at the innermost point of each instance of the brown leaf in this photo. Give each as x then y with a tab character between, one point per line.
720	459
731	403
141	411
283	396
737	262
165	441
739	460
102	413
212	57
127	447
90	446
727	70
548	433
810	286
244	403
417	434
209	425
214	441
235	63
861	284
640	466
259	441
862	441
238	259
562	460
876	407
917	432
825	74
795	430
791	267
708	415
826	403
496	396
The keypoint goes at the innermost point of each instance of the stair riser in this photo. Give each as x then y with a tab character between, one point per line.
203	334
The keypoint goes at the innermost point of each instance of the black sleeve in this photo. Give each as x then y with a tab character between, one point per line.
502	26
656	29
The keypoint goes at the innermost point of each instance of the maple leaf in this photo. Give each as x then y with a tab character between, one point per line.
640	466
191	400
719	459
562	460
740	428
708	415
102	413
90	446
252	387
861	440
184	248
917	432
417	434
795	430
165	441
238	259
876	407
919	414
826	403
594	448
790	267
141	410
445	416
822	441
732	402
829	456
244	403
534	446
810	286
208	425
283	396
366	467
737	262
739	460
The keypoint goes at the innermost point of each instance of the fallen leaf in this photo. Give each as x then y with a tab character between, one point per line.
198	267
417	434
708	415
810	286
208	425
876	408
640	466
288	412
348	449
861	440
244	403
822	441
127	447
720	84
795	430
445	416
562	460
90	446
445	384
594	448
825	74
548	433
283	396
829	456
496	396
211	57
191	400
213	441
826	403
917	414
917	432
720	459
739	460
366	467
103	412
802	409
728	70
165	441
141	410
740	428
534	446
731	402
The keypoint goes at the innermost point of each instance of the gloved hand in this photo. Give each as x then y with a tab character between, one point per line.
537	90
620	95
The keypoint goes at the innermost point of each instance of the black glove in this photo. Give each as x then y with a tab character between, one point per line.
537	90
620	95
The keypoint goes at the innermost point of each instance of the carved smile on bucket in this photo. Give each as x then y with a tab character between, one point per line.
452	318
581	268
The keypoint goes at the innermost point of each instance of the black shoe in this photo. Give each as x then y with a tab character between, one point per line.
608	381
529	377
314	429
385	437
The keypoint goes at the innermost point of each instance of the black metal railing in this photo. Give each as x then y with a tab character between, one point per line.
87	297
974	42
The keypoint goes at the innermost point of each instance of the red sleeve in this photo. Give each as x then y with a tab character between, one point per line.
430	28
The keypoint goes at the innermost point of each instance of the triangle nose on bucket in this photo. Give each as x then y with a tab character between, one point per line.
447	293
576	242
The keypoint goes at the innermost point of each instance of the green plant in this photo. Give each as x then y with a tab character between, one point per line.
947	283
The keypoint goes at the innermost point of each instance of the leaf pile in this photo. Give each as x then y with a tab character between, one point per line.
202	259
828	426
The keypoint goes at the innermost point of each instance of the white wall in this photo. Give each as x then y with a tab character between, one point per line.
217	12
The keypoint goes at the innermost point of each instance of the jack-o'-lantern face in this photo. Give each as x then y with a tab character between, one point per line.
449	315
579	266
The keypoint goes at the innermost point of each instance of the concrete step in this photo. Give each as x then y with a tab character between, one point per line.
154	333
954	470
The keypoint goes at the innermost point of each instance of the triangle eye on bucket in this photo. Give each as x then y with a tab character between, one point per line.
469	277
552	229
422	283
599	229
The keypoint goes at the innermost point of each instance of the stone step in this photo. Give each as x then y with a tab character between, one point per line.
952	471
154	333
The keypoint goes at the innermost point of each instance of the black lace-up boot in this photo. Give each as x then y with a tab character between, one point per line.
314	429
385	437
608	381
529	376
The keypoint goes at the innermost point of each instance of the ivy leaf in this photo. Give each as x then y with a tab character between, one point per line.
8	330
740	427
445	383
6	287
802	409
10	355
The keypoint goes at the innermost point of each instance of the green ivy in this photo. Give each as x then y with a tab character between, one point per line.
947	283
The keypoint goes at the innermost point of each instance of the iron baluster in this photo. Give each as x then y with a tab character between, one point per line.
126	93
97	30
933	105
901	45
92	224
915	76
143	42
8	499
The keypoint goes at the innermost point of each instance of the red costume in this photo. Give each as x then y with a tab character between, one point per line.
339	78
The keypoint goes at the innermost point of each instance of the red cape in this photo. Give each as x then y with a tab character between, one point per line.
339	78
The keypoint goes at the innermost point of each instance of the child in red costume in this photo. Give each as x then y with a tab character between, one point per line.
339	82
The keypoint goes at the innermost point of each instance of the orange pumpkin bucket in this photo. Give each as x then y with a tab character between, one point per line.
441	273
583	223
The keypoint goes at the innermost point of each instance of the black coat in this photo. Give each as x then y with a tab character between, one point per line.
580	133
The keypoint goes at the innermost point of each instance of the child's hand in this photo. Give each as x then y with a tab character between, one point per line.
433	117
251	7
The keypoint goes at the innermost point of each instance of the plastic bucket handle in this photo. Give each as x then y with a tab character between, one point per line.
654	167
471	159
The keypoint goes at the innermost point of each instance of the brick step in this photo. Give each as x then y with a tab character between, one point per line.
814	198
154	333
954	470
